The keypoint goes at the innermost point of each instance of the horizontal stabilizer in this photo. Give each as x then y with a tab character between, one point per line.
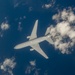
50	40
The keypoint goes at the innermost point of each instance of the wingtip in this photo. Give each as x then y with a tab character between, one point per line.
15	47
47	57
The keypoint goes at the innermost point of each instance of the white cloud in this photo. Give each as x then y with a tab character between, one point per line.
49	4
28	70
4	26
61	28
63	34
56	17
20	27
31	68
8	65
66	15
33	63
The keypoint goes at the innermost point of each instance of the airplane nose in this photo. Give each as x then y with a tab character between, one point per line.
15	47
19	46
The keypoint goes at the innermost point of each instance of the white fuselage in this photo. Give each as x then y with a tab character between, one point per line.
32	42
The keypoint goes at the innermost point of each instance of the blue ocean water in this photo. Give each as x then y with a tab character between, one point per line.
58	63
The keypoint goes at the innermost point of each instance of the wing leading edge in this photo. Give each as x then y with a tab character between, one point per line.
39	50
34	31
36	46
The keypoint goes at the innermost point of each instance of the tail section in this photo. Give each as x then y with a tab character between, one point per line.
50	40
48	33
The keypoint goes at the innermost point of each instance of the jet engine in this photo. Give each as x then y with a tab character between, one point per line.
31	49
28	37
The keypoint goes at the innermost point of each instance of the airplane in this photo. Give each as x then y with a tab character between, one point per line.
34	41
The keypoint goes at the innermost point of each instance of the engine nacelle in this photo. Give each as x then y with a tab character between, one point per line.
31	49
28	37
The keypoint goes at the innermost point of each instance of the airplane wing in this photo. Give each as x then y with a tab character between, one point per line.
34	31
39	50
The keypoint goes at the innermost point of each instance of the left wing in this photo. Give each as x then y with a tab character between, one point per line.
39	50
34	31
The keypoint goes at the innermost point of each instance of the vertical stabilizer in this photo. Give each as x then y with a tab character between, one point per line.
47	31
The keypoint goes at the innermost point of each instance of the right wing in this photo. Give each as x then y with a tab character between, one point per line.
39	50
34	31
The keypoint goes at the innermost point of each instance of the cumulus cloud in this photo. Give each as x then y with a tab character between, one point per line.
33	63
32	69
63	34
19	26
8	65
65	15
49	4
4	26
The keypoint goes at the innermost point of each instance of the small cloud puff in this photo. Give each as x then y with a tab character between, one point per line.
32	69
8	65
63	34
33	63
49	4
4	26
